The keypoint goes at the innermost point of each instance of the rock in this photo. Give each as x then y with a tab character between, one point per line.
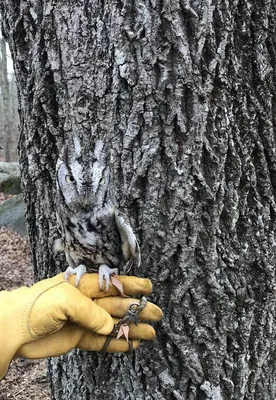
10	168
9	178
10	185
12	215
3	176
12	211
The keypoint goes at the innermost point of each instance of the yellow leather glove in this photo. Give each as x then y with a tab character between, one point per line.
53	316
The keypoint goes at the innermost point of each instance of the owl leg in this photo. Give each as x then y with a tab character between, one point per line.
78	271
104	274
73	270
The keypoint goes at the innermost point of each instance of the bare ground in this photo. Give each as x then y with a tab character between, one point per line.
25	379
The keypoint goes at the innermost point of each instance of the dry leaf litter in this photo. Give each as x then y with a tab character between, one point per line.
26	379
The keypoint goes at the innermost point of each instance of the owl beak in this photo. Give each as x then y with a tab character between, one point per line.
85	193
84	189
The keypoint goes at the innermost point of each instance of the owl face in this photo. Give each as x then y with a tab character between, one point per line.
83	178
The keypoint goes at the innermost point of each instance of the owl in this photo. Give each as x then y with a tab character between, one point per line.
94	234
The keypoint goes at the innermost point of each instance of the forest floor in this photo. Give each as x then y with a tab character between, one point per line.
26	379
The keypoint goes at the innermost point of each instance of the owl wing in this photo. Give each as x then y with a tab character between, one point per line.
130	246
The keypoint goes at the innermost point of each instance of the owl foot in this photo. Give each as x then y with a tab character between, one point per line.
104	274
78	271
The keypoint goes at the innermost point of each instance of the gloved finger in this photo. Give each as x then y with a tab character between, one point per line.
114	345
140	331
118	306
89	286
136	333
73	336
52	310
52	345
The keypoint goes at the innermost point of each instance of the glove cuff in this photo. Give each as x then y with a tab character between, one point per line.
15	313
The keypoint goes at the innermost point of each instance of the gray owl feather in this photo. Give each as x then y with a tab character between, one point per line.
94	234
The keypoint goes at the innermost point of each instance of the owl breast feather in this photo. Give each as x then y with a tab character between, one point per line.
93	239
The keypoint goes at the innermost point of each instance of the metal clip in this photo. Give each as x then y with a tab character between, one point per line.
121	329
132	315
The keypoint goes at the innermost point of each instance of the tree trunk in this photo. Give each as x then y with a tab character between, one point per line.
184	93
13	117
4	87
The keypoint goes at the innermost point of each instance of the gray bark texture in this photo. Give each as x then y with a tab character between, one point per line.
184	93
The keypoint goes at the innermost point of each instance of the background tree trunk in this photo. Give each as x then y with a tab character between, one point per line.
9	119
4	86
184	92
13	117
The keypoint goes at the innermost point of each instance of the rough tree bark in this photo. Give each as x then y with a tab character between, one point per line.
184	91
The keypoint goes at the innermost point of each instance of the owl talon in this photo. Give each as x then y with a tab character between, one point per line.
104	274
127	267
79	272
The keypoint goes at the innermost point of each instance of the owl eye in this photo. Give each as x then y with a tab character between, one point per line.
69	179
103	181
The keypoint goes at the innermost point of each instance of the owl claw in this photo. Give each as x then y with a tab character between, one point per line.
128	266
104	275
79	272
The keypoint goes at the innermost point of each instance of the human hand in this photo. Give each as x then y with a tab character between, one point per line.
53	316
